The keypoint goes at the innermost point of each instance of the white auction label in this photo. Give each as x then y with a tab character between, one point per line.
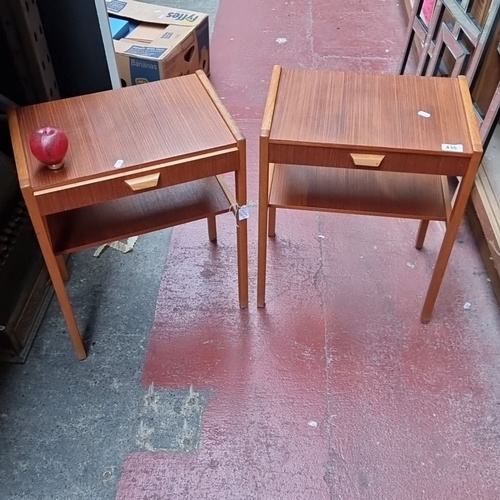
243	213
454	148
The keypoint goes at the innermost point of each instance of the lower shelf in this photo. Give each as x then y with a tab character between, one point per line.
391	194
137	214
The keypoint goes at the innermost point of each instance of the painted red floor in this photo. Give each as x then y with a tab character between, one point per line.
335	390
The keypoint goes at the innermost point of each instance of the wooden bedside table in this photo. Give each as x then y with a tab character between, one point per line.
393	140
140	159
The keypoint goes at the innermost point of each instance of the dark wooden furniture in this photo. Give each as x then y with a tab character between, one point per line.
367	144
453	40
140	159
462	37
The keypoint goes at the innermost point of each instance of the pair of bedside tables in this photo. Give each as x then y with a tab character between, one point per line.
152	156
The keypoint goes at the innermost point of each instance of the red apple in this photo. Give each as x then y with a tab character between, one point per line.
49	145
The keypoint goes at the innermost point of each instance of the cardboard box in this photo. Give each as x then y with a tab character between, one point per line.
162	42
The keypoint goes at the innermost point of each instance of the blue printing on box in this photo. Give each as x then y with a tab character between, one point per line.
115	5
183	16
202	37
143	70
139	50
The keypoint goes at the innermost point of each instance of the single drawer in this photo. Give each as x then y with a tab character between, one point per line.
121	184
373	160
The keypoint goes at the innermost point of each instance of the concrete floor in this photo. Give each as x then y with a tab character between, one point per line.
334	391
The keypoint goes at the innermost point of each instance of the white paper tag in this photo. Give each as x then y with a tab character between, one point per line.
454	148
122	246
118	163
424	114
243	213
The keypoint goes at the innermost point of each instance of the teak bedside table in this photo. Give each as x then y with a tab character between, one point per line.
372	144
140	159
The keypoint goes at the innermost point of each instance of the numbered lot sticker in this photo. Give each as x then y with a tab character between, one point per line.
453	148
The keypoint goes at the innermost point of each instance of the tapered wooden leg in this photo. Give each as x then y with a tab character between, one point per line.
448	241
62	296
241	228
212	228
63	270
242	247
263	211
264	173
271	232
422	231
56	273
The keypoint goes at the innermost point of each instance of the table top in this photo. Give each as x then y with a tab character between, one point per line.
371	111
140	125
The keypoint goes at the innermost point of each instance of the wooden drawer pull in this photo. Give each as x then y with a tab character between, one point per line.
146	182
364	160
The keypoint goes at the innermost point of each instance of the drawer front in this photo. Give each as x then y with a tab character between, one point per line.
120	185
372	160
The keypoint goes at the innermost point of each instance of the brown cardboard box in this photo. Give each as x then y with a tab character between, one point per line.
163	42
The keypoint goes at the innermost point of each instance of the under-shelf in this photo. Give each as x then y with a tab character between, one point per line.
138	214
367	192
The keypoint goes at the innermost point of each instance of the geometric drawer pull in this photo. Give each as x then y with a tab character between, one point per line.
146	182
365	160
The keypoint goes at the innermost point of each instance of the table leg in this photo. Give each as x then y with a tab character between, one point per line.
212	228
271	211
422	231
56	273
63	270
271	232
263	221
62	296
448	241
241	226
